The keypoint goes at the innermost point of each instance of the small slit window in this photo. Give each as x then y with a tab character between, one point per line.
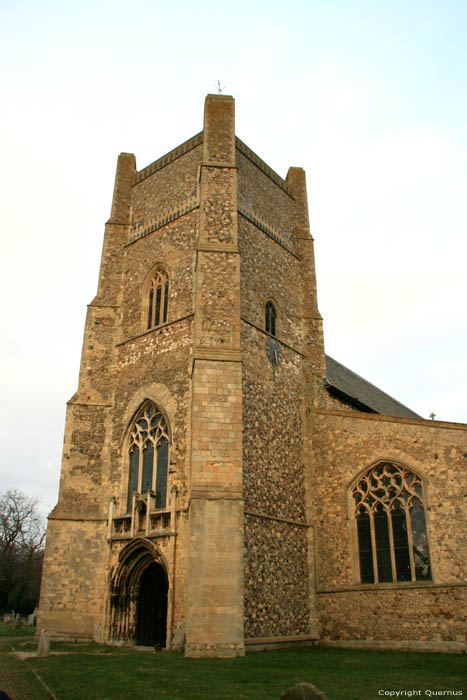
271	317
389	517
158	296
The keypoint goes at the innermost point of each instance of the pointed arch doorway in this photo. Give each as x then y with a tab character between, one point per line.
151	625
139	597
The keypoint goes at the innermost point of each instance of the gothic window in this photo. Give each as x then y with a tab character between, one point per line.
389	517
157	299
271	317
148	455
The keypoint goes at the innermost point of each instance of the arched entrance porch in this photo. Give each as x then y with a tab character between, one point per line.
139	596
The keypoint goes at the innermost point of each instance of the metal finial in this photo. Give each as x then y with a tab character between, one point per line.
218	87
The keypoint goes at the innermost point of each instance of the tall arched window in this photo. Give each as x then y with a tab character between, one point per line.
271	316
389	518
158	296
148	453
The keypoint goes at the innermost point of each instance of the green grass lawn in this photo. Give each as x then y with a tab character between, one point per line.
95	672
10	631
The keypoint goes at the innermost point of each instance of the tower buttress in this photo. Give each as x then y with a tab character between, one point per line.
88	410
314	364
313	343
215	566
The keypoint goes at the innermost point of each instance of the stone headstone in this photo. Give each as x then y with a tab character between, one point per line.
43	648
178	639
17	622
31	621
303	691
4	696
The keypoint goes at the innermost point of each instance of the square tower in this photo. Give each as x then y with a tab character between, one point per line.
184	514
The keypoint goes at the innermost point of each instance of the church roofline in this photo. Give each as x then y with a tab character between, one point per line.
344	383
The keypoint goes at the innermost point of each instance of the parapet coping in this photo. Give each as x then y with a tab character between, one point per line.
169	157
197	140
256	160
392	419
396	586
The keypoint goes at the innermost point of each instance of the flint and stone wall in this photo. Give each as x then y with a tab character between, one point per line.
277	601
345	444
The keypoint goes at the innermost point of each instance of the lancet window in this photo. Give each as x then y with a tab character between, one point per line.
271	316
389	517
158	297
148	453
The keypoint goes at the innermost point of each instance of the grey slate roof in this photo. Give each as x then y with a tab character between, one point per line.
348	385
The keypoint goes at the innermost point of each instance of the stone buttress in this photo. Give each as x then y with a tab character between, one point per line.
75	564
215	563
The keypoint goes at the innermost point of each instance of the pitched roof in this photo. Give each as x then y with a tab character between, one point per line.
345	384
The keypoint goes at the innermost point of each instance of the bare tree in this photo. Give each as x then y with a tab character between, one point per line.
22	535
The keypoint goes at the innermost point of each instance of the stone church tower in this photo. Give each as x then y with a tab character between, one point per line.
211	445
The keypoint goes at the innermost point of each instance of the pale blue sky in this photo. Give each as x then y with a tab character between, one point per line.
368	97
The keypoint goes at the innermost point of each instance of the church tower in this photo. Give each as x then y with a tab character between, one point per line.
184	513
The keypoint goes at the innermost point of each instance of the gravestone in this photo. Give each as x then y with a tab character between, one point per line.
43	648
17	622
4	696
303	691
179	639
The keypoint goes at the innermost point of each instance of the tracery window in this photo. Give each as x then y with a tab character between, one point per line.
271	316
390	525
158	296
148	453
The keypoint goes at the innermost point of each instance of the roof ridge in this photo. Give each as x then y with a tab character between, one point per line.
374	403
